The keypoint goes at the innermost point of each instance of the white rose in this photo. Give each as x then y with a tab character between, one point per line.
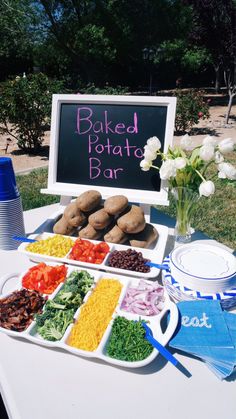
207	152
149	154
218	157
209	140
154	144
226	146
167	169
180	162
206	188
186	142
145	165
227	171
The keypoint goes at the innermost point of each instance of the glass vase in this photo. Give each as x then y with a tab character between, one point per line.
185	201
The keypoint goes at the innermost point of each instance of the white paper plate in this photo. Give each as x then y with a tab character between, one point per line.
12	282
179	292
203	267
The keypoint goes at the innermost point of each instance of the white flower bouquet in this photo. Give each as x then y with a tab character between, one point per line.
186	165
185	168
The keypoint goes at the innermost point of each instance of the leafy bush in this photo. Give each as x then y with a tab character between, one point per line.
106	90
25	108
191	107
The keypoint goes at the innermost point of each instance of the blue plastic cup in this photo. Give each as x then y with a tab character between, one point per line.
8	187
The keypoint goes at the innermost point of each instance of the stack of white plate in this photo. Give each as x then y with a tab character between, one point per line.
201	271
203	267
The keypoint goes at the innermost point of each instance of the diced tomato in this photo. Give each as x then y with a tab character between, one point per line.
101	255
102	247
97	261
86	251
83	258
90	259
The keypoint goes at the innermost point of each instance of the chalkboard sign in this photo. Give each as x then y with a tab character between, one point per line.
97	143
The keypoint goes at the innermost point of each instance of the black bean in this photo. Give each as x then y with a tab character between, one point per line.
129	260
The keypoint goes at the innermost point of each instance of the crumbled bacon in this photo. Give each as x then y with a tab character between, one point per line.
17	309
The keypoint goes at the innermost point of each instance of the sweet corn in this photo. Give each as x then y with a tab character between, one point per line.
57	246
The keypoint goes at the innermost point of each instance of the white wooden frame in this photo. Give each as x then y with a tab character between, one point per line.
133	195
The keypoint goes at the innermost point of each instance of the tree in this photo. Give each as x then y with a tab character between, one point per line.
102	40
16	34
213	27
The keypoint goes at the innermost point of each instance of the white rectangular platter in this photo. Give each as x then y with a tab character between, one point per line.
13	282
155	255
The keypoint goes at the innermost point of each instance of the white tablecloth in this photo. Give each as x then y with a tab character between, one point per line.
41	383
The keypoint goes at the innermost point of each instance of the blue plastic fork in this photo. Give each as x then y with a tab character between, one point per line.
167	355
23	239
157	265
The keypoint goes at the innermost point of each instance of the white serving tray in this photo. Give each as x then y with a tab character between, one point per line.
155	255
12	282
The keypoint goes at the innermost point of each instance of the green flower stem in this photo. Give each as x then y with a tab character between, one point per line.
185	200
200	175
207	165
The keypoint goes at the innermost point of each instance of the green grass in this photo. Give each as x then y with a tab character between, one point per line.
215	216
29	186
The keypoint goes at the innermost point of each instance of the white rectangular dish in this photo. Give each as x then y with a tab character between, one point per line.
155	255
12	282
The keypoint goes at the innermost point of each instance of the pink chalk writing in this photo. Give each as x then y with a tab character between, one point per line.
125	149
95	170
86	124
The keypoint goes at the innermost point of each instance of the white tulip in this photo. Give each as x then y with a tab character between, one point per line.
226	146
145	165
186	142
149	154
219	158
206	188
167	169
209	140
227	171
180	162
154	144
207	152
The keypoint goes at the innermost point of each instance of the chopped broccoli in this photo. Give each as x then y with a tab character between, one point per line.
49	332
69	299
53	304
63	296
53	329
46	315
58	313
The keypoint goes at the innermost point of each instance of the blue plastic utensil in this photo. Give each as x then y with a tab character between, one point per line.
163	351
157	265
23	239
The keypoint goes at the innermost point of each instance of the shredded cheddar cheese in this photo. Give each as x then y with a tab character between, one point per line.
95	315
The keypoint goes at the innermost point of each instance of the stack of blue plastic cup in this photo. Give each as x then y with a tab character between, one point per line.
11	212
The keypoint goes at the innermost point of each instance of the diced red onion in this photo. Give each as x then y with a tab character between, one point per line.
145	299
